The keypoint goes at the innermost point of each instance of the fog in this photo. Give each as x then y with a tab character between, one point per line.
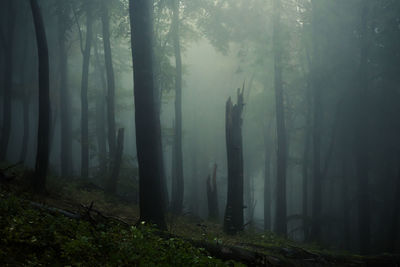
320	120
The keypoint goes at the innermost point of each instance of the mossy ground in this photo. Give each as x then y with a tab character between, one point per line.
34	237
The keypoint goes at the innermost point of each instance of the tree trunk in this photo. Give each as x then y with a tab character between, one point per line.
194	199
177	198
148	129
42	156
105	20
65	104
100	112
25	137
25	101
394	226
116	166
280	218
345	204
8	76
267	179
315	231
233	220
361	139
84	95
212	196
305	166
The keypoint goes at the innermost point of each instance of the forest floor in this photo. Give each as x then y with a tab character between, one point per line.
77	224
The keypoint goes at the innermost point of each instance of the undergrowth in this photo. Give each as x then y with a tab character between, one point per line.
32	237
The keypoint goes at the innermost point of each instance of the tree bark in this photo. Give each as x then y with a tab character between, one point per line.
65	103
8	75
267	178
177	198
233	220
305	166
25	137
105	19
84	94
42	156
116	166
361	138
394	225
315	231
148	129
100	112
25	101
212	196
280	218
345	204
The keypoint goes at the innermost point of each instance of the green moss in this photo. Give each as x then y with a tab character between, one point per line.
34	237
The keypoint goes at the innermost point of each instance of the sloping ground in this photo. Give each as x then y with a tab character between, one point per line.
42	231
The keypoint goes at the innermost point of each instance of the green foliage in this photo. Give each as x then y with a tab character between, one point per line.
33	237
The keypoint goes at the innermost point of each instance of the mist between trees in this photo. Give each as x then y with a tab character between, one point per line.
142	100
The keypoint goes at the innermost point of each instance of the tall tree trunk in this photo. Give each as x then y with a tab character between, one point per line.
345	204
194	199
84	94
233	220
116	166
361	138
65	103
25	101
177	198
316	132
394	225
148	128
42	156
267	177
100	112
8	76
305	166
25	137
280	218
105	20
212	196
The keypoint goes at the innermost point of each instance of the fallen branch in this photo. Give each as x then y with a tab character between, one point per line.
56	210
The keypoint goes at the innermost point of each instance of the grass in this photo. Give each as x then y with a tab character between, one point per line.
32	237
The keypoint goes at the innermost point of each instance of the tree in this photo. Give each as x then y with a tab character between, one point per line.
42	154
63	21
84	91
280	218
361	136
148	130
101	135
233	220
212	195
116	166
177	195
267	176
105	20
8	43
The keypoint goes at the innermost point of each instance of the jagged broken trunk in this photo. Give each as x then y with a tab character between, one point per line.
212	196
233	220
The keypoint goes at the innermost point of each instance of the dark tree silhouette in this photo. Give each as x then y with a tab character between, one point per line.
8	43
177	193
233	220
42	155
84	92
148	129
116	166
212	195
280	218
105	20
65	103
